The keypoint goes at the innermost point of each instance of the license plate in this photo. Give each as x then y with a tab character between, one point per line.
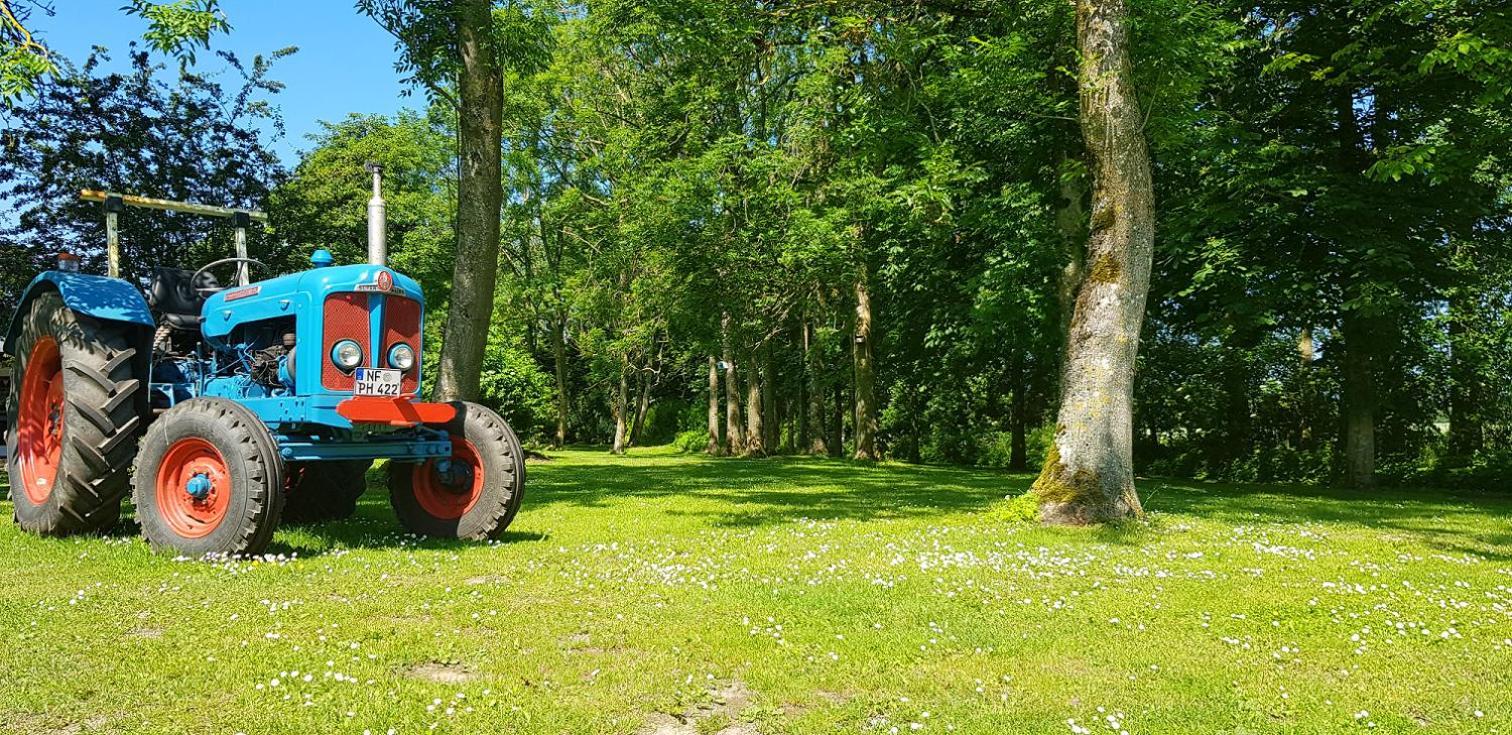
376	382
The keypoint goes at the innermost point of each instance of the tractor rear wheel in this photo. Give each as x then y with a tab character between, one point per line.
209	480
475	493
324	491
78	398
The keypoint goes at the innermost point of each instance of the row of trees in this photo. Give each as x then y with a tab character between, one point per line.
862	228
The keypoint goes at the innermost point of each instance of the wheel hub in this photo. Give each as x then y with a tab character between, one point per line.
454	476
192	487
448	487
199	486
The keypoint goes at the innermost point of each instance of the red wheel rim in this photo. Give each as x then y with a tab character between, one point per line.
186	515
440	499
39	425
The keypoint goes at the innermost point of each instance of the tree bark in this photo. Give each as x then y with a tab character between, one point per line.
714	447
755	431
734	430
559	356
1088	475
837	421
866	406
1467	433
1359	402
620	408
772	408
480	120
642	405
1071	223
802	441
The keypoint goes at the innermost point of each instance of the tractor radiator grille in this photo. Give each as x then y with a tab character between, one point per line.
401	323
346	317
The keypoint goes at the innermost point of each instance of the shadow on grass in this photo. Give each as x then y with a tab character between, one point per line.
745	493
1455	522
733	493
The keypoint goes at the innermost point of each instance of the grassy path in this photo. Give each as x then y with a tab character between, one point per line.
672	594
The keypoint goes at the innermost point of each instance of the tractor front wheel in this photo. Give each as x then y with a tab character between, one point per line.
474	493
77	401
209	480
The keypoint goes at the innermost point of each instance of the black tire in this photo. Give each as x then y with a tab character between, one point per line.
415	489
324	491
103	409
245	517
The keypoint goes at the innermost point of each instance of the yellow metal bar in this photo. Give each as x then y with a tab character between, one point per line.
132	200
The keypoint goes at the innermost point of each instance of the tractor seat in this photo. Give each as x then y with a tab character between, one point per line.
173	296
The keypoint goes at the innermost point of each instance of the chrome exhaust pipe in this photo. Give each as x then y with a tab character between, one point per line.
377	213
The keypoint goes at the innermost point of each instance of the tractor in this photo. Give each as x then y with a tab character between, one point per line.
226	409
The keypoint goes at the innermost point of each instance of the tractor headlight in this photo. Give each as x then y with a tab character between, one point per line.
347	354
401	356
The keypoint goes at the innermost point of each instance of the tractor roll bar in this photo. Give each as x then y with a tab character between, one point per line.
117	203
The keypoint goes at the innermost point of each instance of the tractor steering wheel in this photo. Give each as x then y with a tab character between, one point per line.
207	290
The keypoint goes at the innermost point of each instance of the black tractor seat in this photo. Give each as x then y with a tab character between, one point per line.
174	296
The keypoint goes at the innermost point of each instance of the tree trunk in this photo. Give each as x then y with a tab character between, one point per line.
1359	402
1307	351
734	430
620	408
802	440
772	411
1089	471
1467	434
480	117
755	433
559	356
837	421
866	406
714	447
1071	223
642	405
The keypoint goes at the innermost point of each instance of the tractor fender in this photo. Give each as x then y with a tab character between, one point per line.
106	299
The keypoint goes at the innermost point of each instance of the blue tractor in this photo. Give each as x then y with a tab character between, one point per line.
227	409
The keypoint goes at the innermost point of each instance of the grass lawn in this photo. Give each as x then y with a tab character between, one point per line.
672	594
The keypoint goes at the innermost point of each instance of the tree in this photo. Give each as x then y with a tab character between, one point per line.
1088	476
193	140
457	51
178	28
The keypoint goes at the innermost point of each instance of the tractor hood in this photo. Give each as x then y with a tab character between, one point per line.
300	293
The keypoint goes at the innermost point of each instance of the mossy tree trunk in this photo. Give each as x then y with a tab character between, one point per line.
1088	475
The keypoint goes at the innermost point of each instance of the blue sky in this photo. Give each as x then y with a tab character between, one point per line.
345	62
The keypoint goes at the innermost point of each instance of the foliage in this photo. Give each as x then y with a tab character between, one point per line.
671	193
193	140
518	389
181	26
178	28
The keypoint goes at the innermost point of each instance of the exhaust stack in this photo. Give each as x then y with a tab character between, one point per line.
377	213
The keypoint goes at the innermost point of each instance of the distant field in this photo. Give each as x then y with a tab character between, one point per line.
672	594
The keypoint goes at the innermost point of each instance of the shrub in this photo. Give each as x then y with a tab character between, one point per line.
515	386
695	440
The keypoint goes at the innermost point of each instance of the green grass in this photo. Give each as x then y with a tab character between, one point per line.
674	594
